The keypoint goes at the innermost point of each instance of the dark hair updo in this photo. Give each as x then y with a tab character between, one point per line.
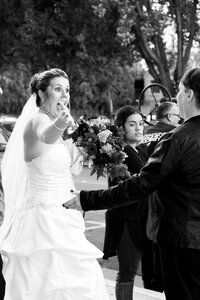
123	113
40	81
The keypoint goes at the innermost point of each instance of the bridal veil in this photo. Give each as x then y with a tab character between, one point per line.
13	169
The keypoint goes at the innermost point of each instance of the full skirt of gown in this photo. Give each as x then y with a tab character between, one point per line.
46	255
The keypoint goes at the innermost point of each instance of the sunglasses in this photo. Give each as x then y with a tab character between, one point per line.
175	115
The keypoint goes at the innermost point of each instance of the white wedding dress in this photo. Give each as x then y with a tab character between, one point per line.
46	255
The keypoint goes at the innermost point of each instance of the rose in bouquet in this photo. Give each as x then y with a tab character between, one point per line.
102	145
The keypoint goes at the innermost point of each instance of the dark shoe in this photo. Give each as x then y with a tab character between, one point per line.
153	285
147	285
157	285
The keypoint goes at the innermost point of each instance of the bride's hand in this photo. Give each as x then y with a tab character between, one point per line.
64	112
66	116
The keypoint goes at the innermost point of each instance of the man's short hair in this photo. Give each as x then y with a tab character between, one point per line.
163	109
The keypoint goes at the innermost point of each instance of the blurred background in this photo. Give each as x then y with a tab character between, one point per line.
111	49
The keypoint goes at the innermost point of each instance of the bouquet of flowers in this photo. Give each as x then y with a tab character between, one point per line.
102	145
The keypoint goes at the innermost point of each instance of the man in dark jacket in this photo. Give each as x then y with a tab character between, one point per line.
174	220
168	117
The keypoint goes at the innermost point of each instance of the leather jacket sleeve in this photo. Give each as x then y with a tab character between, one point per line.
158	170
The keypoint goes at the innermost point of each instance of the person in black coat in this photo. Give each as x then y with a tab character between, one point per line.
173	170
168	118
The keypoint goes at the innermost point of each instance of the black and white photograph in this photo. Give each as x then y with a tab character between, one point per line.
99	150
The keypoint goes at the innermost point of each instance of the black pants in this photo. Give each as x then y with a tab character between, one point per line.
151	267
2	282
129	257
181	273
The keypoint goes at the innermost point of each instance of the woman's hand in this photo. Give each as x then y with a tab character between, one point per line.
74	203
65	114
64	120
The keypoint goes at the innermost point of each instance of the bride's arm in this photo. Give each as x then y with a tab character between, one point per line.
47	131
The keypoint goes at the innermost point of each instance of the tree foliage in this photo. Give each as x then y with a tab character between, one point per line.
95	42
144	23
68	34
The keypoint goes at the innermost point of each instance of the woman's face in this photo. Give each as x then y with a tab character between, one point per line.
57	92
134	128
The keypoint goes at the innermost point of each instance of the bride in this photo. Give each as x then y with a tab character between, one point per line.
45	253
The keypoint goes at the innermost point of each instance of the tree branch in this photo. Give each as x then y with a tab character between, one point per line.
191	34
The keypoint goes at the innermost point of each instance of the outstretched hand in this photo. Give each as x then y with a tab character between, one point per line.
74	203
66	116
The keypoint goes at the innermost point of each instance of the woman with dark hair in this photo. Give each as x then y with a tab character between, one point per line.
125	234
45	252
173	170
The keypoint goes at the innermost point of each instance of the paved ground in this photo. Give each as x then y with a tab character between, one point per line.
139	292
95	234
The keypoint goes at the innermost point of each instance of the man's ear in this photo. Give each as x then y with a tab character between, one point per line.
168	116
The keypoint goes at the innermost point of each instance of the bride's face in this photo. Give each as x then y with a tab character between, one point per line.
57	92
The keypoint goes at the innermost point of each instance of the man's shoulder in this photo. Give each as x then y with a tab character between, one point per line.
188	131
160	127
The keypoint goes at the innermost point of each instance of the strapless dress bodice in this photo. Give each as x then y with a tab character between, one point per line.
49	178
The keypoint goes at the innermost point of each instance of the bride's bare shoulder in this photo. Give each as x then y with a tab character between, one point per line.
32	125
39	119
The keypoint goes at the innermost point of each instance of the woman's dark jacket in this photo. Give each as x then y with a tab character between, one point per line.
135	215
174	171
